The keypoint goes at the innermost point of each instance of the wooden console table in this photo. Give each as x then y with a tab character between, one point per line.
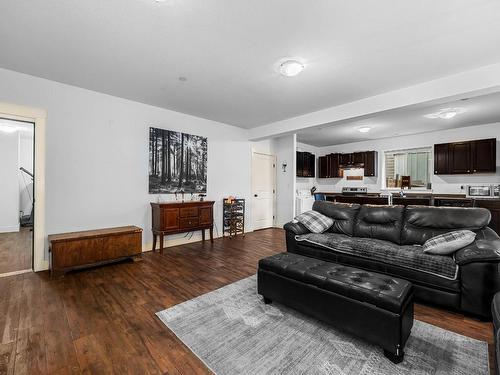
75	250
181	217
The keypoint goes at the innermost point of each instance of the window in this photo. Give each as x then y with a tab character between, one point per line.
413	163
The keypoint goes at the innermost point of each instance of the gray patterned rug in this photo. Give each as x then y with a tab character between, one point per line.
233	332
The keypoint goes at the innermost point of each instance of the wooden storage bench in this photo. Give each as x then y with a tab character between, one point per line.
76	250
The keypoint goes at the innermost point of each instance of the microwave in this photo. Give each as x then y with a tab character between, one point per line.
483	191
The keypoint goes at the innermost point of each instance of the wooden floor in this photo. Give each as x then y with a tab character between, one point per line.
15	251
103	320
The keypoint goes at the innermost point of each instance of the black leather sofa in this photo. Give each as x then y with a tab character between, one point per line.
386	239
495	312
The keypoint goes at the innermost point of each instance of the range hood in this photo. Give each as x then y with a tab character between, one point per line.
352	166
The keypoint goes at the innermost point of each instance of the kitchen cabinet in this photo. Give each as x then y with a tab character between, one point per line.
345	159
493	205
411	201
358	158
323	167
459	155
453	202
484	156
305	164
370	163
328	166
352	159
333	166
441	158
478	156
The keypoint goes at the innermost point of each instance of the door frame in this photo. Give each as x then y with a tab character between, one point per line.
251	184
38	117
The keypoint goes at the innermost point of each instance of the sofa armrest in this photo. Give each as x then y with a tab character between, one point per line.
479	251
296	228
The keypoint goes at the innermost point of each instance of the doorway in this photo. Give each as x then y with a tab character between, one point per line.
263	190
17	160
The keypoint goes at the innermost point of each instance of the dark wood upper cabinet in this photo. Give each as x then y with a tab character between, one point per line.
478	156
306	163
441	158
370	163
323	167
484	155
333	166
459	158
358	158
345	159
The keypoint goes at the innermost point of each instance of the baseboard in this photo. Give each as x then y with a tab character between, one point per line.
169	242
14	273
9	228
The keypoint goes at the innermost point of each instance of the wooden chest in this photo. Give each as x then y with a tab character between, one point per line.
76	250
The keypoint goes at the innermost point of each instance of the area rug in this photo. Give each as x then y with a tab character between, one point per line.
233	332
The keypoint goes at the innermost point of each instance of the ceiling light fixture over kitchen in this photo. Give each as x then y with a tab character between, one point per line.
364	129
446	113
291	68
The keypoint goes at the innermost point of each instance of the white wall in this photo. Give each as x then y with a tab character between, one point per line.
284	149
440	184
9	184
97	155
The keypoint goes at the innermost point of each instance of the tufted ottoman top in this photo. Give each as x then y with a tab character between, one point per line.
386	292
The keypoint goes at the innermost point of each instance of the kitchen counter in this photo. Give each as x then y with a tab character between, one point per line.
409	194
414	198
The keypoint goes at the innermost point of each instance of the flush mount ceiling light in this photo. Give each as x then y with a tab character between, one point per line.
364	129
7	128
291	68
446	113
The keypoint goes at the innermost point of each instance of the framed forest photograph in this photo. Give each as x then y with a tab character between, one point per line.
177	162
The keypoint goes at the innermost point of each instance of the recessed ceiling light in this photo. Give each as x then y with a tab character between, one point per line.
364	129
291	68
446	113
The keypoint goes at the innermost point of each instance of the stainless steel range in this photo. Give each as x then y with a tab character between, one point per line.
354	190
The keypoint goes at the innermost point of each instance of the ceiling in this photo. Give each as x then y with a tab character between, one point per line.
228	49
479	110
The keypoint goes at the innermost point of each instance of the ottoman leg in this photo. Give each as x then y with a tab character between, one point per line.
267	301
395	358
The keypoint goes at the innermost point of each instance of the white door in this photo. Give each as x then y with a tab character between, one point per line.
263	188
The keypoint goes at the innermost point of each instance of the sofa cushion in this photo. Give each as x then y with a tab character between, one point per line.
422	223
314	221
380	222
343	215
448	243
405	256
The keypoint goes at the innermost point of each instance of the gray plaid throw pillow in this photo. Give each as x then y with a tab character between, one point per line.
448	243
314	221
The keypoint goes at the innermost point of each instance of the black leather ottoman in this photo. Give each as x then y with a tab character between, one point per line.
495	312
376	307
